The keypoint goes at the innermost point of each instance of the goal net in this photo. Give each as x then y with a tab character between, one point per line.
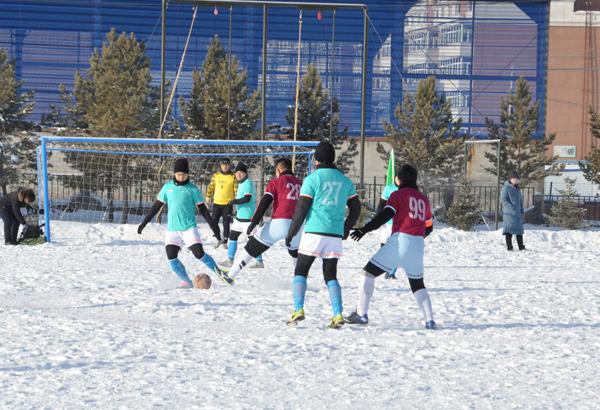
116	180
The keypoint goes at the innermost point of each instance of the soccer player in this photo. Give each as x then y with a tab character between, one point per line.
182	198
324	196
221	191
411	214
282	191
386	230
244	202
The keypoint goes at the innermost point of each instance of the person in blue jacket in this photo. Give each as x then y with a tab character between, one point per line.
512	211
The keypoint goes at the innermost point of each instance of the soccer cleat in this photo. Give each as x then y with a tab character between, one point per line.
430	325
227	263
257	265
337	321
221	274
297	316
356	319
184	284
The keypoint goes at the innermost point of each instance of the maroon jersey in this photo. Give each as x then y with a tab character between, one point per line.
412	211
285	190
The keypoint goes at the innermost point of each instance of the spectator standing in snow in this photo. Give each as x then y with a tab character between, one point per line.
512	211
10	212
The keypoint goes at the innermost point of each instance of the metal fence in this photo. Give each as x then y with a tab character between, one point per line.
591	205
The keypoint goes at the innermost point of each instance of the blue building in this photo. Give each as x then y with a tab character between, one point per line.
476	49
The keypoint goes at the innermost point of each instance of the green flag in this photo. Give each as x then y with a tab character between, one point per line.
391	171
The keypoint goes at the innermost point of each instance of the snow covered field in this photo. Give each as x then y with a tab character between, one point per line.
94	320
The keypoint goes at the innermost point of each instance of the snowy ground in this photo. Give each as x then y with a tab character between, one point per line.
94	320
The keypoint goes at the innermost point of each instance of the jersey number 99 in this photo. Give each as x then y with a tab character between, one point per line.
417	208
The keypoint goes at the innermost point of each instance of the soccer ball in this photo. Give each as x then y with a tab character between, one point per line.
202	281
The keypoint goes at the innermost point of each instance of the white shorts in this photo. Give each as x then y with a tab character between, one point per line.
385	232
401	251
183	238
276	230
241	226
324	247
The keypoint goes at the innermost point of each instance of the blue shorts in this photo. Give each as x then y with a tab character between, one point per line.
401	251
276	230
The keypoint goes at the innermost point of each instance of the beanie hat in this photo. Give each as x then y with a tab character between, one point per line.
181	165
241	167
325	152
225	161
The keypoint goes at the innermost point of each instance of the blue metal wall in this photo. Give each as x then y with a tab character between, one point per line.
476	49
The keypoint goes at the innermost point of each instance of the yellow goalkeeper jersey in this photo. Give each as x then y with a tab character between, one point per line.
222	188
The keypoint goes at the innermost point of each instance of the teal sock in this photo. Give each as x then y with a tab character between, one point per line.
259	258
335	295
232	249
209	262
299	290
179	270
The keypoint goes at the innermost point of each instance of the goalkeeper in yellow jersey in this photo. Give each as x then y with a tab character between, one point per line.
221	191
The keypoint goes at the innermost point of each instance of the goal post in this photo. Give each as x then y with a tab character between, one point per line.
94	180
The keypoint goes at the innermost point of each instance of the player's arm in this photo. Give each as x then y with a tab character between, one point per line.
243	200
380	219
262	207
16	210
382	203
156	207
353	214
302	208
203	209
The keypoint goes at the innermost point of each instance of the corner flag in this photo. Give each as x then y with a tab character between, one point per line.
391	170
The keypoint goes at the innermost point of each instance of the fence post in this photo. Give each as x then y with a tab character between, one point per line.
44	155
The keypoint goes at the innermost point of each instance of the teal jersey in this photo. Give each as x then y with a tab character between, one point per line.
386	195
329	189
181	203
245	211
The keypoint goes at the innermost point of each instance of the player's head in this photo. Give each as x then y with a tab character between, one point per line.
28	196
282	165
225	165
181	168
325	153
241	171
406	175
514	178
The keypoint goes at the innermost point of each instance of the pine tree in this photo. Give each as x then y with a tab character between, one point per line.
17	148
591	166
426	136
520	150
465	210
315	122
566	213
205	113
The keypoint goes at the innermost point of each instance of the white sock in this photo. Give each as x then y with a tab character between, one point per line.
242	260
424	303
365	292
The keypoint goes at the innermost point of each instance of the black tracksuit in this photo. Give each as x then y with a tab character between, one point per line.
10	212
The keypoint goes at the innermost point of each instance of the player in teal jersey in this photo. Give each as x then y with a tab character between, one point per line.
244	202
183	198
324	196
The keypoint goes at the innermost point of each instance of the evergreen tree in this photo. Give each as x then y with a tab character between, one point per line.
566	213
426	135
17	147
520	151
465	210
314	119
591	166
205	113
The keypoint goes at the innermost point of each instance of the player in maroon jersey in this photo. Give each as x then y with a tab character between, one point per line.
411	214
283	191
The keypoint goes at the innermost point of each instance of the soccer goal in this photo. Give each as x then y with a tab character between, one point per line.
116	180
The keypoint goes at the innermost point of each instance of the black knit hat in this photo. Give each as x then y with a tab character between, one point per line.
225	161
241	167
325	152
181	165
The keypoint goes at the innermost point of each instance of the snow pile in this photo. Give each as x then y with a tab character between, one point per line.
95	320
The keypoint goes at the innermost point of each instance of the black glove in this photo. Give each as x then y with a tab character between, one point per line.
346	233
428	230
357	234
288	242
250	228
141	228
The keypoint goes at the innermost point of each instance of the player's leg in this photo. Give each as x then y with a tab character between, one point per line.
509	244
299	283
208	261
217	213
520	242
252	250
8	220
232	248
295	244
335	291
177	267
226	223
385	233
423	301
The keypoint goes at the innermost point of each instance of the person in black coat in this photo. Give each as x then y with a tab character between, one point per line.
10	212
